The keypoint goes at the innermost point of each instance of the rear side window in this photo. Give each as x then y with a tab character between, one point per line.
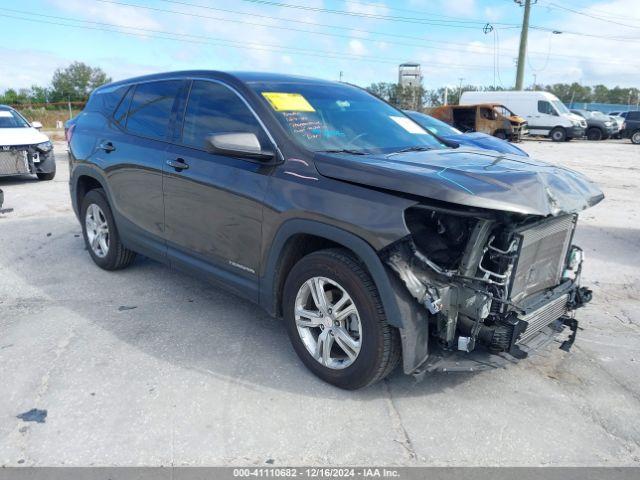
151	106
633	116
545	107
120	115
213	108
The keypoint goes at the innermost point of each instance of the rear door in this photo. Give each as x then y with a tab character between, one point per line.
136	151
213	203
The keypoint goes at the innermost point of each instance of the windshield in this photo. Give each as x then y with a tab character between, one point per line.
560	107
504	111
335	117
432	124
12	119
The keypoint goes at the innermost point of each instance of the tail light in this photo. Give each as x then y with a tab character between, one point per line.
69	133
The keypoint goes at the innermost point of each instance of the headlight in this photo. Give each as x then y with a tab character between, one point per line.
576	123
45	147
608	124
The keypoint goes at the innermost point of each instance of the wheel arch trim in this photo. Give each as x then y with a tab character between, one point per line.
345	238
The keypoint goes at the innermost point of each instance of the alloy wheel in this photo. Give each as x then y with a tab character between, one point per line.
328	323
97	230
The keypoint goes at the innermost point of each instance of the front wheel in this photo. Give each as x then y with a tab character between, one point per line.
558	134
336	322
47	176
594	134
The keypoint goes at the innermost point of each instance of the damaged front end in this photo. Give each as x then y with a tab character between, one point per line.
494	285
26	159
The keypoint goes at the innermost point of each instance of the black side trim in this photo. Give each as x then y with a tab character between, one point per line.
361	248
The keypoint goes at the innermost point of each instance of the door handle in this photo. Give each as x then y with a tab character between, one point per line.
107	147
179	164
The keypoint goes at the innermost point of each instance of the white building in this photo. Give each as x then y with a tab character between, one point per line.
409	75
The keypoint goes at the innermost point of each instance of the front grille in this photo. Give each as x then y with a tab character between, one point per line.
543	316
541	260
13	162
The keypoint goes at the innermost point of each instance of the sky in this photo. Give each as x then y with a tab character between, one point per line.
470	41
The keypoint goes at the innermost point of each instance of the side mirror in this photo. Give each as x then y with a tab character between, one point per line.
239	144
36	125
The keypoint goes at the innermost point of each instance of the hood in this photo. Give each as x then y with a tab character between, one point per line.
21	136
486	142
575	117
517	119
469	177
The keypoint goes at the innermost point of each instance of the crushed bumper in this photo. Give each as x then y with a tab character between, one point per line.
25	160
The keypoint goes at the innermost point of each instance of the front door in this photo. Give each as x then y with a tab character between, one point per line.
213	203
544	119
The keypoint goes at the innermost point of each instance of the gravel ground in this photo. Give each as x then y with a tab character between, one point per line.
151	367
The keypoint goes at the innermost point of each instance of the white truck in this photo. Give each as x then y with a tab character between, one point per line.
544	112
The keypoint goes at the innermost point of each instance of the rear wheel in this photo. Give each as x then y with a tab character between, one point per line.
558	134
635	137
100	233
594	134
336	322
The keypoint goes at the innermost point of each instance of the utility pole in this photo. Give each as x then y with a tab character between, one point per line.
460	90
524	33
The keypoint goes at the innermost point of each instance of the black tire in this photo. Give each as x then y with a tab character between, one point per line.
380	350
501	135
558	134
635	137
117	257
594	134
47	176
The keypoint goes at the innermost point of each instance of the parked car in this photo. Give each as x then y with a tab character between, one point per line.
374	241
619	124
473	139
599	125
632	127
23	148
491	119
544	113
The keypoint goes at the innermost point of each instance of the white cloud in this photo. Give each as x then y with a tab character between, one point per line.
356	47
120	15
378	8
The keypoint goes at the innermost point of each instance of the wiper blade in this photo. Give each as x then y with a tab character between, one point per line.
409	149
344	150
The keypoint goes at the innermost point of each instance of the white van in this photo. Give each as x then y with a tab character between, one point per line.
544	113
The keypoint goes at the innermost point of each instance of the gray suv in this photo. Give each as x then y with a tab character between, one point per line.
374	240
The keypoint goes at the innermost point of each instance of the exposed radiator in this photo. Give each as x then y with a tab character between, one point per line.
542	317
543	250
13	162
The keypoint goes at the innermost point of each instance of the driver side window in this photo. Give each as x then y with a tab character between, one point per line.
213	108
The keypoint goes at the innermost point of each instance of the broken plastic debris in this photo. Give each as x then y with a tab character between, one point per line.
33	415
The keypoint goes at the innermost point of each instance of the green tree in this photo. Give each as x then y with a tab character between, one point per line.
76	82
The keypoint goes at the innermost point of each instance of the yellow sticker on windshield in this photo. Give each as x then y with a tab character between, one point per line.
288	102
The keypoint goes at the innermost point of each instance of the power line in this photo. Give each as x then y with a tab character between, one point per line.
555	6
150	33
410	19
392	18
601	13
302	22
